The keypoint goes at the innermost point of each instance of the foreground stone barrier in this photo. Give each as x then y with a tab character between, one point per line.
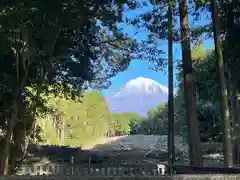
176	177
183	169
91	170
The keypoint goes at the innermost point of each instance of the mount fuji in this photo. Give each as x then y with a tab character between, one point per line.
137	95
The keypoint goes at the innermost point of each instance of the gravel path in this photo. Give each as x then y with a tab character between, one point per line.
148	146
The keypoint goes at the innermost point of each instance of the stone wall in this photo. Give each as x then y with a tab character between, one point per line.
177	177
91	170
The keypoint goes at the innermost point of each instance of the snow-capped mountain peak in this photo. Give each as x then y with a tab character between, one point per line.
137	95
142	85
149	83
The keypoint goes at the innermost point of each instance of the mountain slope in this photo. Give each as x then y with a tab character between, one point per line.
137	95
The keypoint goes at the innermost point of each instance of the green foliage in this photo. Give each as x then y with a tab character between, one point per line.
83	122
154	124
59	45
208	109
122	122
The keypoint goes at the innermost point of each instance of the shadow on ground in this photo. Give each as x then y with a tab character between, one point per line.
124	151
118	150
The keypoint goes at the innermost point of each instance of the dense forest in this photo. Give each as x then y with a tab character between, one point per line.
52	53
81	123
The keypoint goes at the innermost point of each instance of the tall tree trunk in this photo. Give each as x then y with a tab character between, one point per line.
171	149
227	140
234	119
4	161
189	89
62	138
20	81
8	139
233	74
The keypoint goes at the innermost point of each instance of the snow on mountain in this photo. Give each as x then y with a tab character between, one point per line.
137	95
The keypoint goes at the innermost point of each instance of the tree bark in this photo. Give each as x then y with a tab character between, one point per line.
8	139
4	161
171	146
189	89
232	72
20	81
234	107
227	140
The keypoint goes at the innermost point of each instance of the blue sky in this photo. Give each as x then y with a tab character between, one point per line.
142	67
